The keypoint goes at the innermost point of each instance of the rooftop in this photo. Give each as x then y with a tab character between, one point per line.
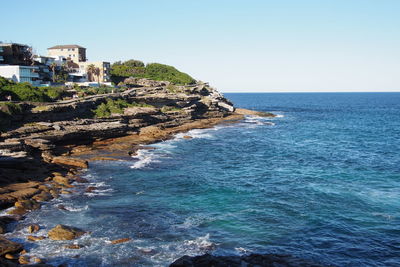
66	46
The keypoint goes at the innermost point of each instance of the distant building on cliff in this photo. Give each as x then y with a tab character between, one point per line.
75	53
15	54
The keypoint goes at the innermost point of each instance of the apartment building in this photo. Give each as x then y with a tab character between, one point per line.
104	67
15	54
74	53
19	73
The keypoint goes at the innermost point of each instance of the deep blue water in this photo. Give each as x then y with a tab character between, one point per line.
321	181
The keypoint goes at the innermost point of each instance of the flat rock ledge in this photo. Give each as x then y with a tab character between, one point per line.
252	260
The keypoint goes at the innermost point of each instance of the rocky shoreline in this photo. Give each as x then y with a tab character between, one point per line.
42	156
50	143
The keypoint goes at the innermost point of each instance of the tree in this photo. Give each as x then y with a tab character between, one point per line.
90	71
97	73
53	69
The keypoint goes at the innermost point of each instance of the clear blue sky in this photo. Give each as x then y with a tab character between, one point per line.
247	45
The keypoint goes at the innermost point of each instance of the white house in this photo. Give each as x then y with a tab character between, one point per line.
19	73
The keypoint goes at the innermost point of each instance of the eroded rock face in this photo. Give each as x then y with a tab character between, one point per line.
63	232
266	260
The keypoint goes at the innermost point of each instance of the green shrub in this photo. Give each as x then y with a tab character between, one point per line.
27	92
104	110
153	71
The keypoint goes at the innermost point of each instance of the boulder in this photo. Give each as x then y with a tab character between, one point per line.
23	260
81	180
63	232
33	228
9	247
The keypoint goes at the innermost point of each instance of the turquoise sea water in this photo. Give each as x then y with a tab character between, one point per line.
321	181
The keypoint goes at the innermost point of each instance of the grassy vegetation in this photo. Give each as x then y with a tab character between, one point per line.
153	71
27	92
105	110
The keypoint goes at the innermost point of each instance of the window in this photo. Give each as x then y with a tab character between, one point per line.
73	49
62	49
69	49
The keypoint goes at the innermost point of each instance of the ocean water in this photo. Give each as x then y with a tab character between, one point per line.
321	181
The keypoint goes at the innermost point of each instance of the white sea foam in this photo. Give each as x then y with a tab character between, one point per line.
76	209
144	157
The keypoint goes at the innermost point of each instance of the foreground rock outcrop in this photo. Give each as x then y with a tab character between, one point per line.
252	260
63	232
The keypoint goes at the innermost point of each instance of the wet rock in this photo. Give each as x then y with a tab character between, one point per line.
18	211
65	192
61	180
122	240
74	246
74	162
27	204
187	137
10	256
81	180
43	197
63	232
54	193
61	207
4	220
33	228
24	193
23	260
9	247
35	238
37	260
90	189
267	260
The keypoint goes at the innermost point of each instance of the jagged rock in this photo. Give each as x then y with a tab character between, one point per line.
38	143
43	196
74	162
33	228
61	180
23	260
63	232
24	193
266	260
27	204
7	246
187	137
